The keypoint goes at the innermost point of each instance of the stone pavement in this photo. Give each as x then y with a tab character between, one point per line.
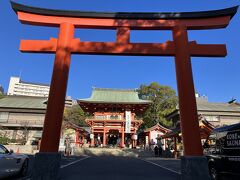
113	152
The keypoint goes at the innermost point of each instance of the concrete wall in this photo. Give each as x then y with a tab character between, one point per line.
228	120
154	134
19	134
26	149
26	119
225	120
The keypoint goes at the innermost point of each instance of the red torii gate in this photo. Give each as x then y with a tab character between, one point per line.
66	44
180	47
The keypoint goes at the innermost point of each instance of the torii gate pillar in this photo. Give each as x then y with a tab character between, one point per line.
186	93
57	94
47	162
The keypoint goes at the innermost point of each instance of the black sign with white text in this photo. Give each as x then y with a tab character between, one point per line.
232	140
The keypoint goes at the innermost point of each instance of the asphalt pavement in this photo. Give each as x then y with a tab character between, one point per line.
116	168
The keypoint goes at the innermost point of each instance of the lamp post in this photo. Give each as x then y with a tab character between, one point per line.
155	109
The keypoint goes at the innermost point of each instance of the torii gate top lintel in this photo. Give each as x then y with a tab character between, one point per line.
125	15
124	22
134	20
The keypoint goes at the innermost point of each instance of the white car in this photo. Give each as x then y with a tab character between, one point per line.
11	163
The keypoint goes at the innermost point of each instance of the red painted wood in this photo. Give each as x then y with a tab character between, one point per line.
103	23
123	137
104	137
57	94
77	137
120	48
186	94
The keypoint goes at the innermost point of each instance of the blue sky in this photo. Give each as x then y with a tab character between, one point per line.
217	78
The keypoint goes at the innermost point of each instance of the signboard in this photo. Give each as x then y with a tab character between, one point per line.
128	122
232	140
146	140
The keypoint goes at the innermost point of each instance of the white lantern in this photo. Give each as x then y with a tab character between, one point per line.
134	137
91	136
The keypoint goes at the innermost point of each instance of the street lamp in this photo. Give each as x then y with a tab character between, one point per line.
155	109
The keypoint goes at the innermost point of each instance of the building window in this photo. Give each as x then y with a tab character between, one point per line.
100	117
115	116
212	118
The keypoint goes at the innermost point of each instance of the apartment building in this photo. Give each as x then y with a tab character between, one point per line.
22	88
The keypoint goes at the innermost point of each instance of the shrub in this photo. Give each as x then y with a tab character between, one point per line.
4	140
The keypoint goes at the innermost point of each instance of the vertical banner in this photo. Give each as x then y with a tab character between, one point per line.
128	122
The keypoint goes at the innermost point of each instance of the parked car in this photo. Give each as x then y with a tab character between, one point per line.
222	149
11	163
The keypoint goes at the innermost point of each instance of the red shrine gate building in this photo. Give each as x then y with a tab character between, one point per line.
115	115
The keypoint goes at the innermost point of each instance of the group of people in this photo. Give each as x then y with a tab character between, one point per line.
158	150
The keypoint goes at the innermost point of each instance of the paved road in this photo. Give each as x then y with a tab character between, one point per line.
117	168
166	163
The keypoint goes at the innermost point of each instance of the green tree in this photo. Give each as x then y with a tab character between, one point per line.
75	115
164	101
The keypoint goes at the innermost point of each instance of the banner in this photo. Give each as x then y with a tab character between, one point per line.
128	122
